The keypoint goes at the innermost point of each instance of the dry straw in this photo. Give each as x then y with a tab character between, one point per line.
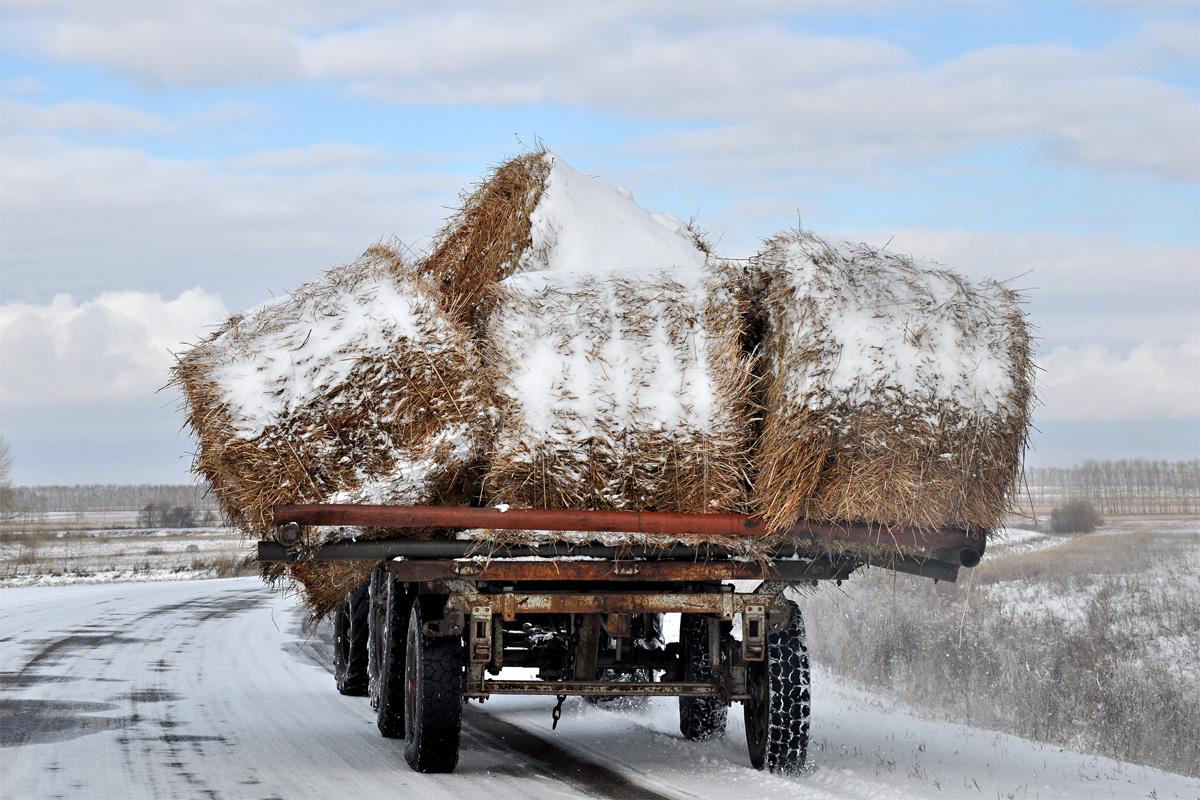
355	388
483	242
490	236
894	393
620	391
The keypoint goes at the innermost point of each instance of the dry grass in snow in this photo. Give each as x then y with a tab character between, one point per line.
1089	642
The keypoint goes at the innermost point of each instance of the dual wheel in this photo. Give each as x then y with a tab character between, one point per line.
779	704
414	681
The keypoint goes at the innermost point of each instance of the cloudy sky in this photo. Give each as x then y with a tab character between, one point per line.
164	164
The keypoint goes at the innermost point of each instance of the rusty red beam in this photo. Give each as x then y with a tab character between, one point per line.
565	570
653	522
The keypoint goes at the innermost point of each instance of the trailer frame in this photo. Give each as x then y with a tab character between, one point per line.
573	610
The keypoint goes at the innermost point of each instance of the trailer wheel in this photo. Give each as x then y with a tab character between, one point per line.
391	626
350	631
433	675
777	713
376	620
700	718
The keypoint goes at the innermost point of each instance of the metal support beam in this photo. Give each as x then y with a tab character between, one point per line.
656	522
596	689
625	570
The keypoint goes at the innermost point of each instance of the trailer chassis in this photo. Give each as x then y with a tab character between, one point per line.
582	614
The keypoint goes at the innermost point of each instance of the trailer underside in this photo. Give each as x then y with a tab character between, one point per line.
446	616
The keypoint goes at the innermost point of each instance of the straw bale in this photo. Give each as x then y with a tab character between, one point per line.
535	212
355	388
620	390
483	242
894	392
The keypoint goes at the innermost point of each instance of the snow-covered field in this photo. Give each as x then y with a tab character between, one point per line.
75	555
214	689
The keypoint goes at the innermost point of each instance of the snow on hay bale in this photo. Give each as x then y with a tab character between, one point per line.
534	209
355	388
895	392
620	390
622	382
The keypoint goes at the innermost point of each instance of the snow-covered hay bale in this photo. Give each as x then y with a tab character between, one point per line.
355	388
536	212
620	390
895	392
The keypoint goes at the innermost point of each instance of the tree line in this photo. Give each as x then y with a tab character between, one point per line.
109	497
1128	486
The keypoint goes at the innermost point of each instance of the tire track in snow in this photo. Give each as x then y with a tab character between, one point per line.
556	762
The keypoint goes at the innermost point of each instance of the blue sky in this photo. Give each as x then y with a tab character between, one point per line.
162	165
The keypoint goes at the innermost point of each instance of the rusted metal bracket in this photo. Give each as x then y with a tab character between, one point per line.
754	632
586	647
481	633
508	605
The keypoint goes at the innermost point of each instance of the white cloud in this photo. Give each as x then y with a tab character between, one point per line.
1159	43
25	85
83	116
815	101
83	219
330	155
116	347
1153	381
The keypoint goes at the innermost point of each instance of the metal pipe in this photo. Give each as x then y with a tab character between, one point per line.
655	522
959	556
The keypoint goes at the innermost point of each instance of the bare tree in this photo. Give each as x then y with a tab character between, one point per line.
7	509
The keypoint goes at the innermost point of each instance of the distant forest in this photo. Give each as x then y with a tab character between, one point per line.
1129	486
109	497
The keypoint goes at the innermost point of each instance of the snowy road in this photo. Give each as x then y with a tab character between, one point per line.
211	689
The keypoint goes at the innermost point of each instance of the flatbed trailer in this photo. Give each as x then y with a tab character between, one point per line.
441	618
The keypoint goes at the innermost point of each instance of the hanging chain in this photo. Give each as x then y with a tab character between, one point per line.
557	713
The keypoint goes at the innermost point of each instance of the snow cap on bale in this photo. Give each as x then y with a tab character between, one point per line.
356	388
895	392
525	217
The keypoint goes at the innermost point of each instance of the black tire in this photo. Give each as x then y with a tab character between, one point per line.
376	622
700	718
777	713
350	633
433	674
388	689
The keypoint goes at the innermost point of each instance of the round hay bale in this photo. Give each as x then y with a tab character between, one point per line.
355	388
620	390
894	392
